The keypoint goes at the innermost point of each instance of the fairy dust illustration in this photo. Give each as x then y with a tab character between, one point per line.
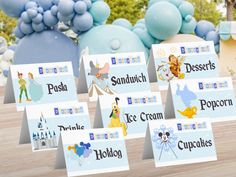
82	151
165	140
167	71
187	96
115	117
23	88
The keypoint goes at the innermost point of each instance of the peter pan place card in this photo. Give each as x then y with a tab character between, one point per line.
43	123
197	98
178	141
131	112
182	61
111	74
32	84
93	151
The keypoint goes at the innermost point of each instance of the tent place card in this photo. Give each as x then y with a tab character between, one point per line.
92	151
111	74
196	98
182	61
175	142
43	123
43	83
131	112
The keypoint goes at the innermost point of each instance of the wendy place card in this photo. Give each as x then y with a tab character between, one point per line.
109	74
197	98
32	84
92	151
182	61
43	123
178	141
131	112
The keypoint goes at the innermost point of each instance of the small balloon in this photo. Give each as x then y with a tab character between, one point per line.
123	22
66	7
45	4
18	33
100	11
38	19
83	22
26	28
32	13
203	27
40	10
88	3
49	19
186	8
54	10
25	17
55	2
30	5
188	27
213	36
80	7
38	27
176	2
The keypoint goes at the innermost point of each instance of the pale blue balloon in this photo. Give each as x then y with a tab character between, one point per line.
163	20
40	10
188	27
88	3
49	19
63	18
54	10
30	5
176	2
186	8
18	33
45	4
123	22
66	7
80	7
26	28
38	19
146	38
47	46
25	17
203	27
213	36
13	8
100	11
38	27
83	22
32	13
55	2
151	2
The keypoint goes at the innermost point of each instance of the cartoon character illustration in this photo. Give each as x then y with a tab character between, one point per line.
165	139
115	117
35	89
164	73
23	88
187	96
83	151
99	73
175	66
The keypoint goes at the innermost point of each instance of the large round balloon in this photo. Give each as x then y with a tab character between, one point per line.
204	27
13	8
163	20
47	46
112	39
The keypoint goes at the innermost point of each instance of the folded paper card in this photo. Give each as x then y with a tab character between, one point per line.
92	151
182	61
43	123
33	84
130	111
196	98
111	74
175	142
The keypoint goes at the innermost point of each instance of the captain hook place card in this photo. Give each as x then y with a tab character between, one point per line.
197	98
178	141
33	84
42	124
92	151
111	74
131	112
179	61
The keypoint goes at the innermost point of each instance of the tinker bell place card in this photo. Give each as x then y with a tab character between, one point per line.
109	74
176	142
182	61
43	123
32	84
131	112
197	98
92	151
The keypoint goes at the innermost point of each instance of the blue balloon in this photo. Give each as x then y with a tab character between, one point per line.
49	19
140	25
38	27
63	18
204	27
88	3
163	20
66	7
32	13
18	33
100	11
47	47
40	10
83	22
25	17
146	38
123	22
55	2
176	2
26	28
188	27
13	8
80	7
30	5
38	19
54	10
186	8
45	4
213	36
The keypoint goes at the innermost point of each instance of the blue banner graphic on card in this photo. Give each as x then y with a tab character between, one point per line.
184	61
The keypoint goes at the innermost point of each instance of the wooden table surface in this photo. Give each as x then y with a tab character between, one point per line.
19	161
